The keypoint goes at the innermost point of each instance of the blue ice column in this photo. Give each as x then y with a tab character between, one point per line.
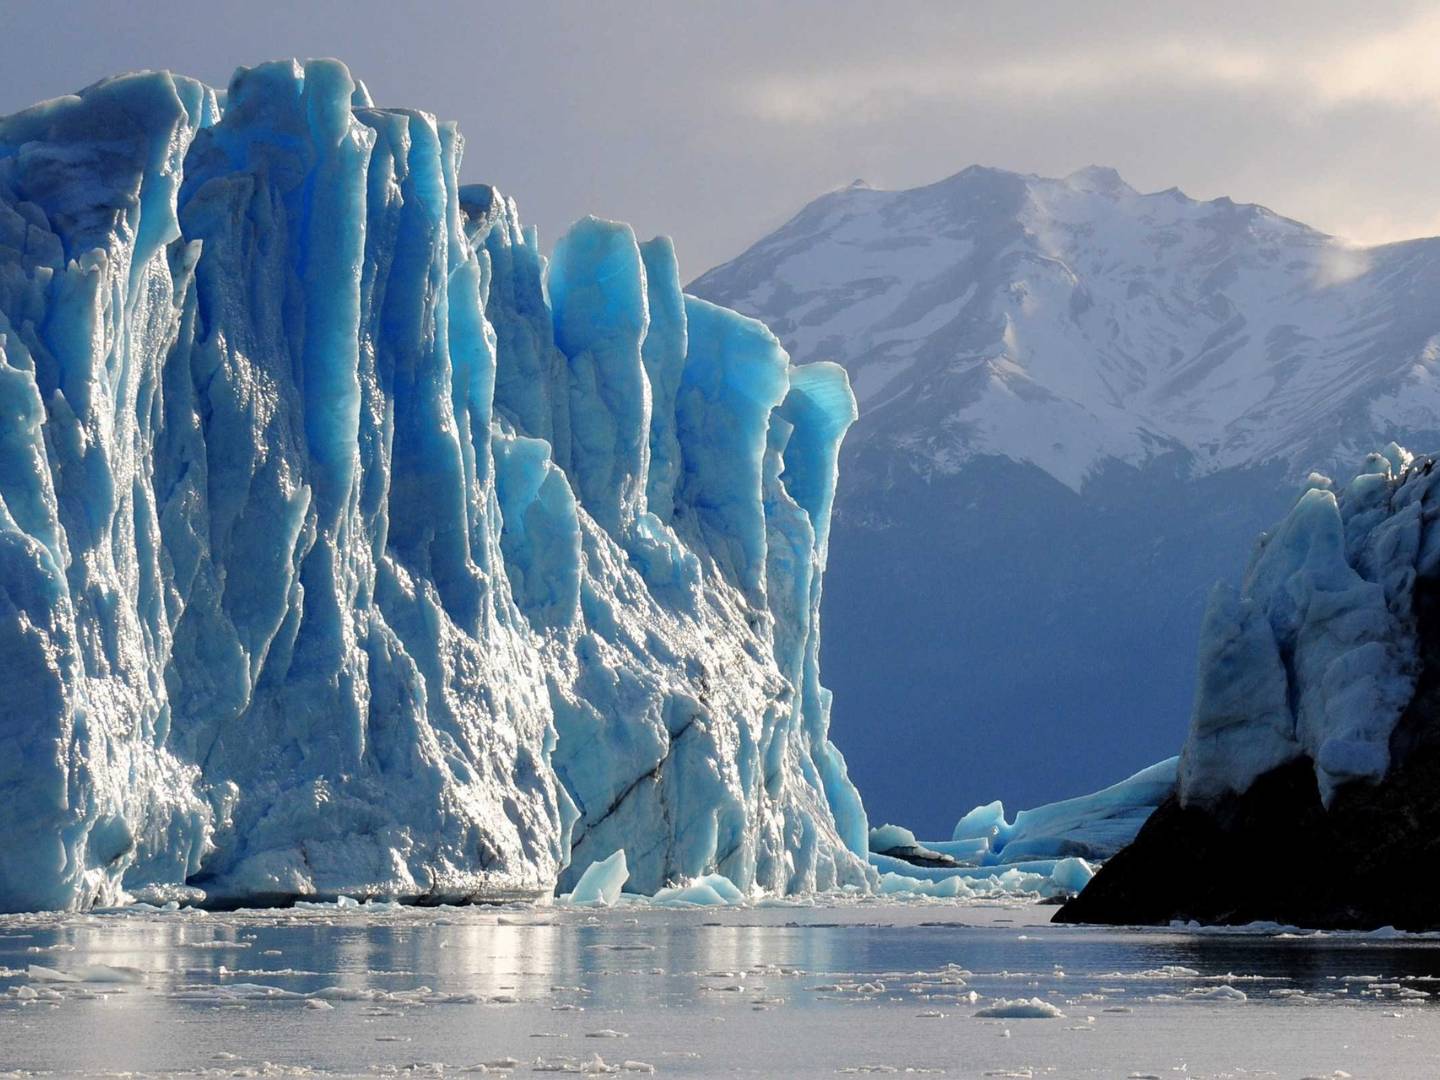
597	296
532	385
372	717
663	354
735	374
541	535
88	789
816	413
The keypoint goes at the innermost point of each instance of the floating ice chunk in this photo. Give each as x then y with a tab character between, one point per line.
1218	993
982	822
973	850
602	881
38	973
901	885
107	973
1072	874
1021	1009
708	891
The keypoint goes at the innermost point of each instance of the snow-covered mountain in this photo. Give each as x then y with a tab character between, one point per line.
345	548
1078	404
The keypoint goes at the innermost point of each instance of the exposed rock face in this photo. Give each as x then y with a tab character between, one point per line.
1275	854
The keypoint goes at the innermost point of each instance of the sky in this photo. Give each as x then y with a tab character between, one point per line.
714	123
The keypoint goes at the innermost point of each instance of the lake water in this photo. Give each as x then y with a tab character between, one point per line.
848	987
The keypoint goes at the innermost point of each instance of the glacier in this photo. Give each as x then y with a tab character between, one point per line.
1307	784
349	546
1316	656
1093	826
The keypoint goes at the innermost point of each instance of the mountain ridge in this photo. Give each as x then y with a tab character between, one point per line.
1079	405
1200	317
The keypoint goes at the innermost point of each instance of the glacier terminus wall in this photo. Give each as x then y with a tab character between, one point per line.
347	547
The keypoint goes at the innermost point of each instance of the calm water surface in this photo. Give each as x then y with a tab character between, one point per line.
826	990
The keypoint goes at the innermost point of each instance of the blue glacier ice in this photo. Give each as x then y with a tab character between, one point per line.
1093	826
1046	850
1315	656
350	547
602	881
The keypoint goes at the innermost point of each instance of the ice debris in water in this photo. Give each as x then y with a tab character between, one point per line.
600	886
348	548
85	973
711	890
1021	1009
1047	850
602	881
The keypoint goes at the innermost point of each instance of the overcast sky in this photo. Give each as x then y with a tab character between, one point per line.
715	122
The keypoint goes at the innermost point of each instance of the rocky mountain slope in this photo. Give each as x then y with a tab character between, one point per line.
1078	404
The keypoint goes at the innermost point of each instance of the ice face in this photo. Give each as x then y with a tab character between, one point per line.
1315	656
888	837
344	552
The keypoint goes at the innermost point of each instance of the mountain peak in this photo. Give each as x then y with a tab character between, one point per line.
1099	180
1015	307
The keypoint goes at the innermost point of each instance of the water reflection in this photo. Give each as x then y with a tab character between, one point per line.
347	989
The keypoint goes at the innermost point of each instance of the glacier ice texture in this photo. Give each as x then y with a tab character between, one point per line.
1307	783
1315	656
348	548
1047	849
1093	826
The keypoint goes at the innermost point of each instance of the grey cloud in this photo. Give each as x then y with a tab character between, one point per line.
715	122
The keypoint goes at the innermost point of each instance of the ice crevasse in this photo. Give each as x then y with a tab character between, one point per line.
348	548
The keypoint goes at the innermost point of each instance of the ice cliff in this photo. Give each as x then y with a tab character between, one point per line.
1316	656
1309	785
348	548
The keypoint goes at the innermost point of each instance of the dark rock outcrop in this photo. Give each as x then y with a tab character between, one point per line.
1275	853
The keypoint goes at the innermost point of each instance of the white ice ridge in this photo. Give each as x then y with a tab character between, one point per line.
345	548
1046	850
1093	826
1316	655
